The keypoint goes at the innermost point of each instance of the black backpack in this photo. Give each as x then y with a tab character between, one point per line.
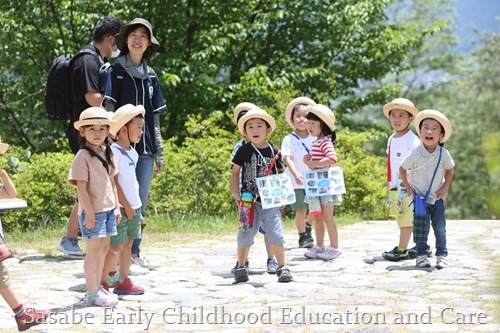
57	91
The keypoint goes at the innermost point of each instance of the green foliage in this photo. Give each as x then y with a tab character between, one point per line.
213	55
470	101
45	188
195	180
364	177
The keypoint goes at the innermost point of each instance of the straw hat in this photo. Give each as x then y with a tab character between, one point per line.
123	115
121	37
294	103
245	106
401	104
93	116
256	113
3	147
439	117
325	114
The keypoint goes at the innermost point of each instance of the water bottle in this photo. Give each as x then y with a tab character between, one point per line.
314	206
246	211
420	204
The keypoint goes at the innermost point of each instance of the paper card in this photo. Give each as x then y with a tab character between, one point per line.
275	190
326	181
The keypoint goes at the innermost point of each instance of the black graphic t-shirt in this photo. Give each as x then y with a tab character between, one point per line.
254	163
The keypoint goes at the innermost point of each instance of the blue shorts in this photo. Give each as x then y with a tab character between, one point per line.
105	225
270	220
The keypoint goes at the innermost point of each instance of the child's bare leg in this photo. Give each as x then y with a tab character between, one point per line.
242	255
10	296
91	265
300	220
111	261
279	252
269	249
319	229
125	256
404	236
333	235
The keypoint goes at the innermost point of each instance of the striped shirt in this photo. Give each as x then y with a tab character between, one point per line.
323	148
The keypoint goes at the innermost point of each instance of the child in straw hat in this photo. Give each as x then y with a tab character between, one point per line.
128	128
322	126
239	111
430	164
93	172
401	112
25	317
256	159
294	147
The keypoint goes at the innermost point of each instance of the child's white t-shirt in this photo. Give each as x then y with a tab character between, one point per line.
126	161
400	148
294	147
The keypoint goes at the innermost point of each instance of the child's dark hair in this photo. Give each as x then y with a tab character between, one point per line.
107	151
442	129
241	114
324	127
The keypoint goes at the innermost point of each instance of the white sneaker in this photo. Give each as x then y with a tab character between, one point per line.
313	252
441	262
144	262
136	269
423	262
329	253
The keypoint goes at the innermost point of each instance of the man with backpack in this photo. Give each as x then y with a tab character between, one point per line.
86	85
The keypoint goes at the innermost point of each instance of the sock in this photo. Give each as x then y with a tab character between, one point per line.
401	250
308	225
302	234
93	295
20	310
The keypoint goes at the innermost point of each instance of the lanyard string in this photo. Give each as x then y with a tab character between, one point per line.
124	152
302	142
263	158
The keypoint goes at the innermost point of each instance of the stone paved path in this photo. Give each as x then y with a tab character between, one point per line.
358	292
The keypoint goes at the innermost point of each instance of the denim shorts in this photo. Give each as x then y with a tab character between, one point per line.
105	225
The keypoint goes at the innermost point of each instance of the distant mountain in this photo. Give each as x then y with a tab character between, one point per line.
475	14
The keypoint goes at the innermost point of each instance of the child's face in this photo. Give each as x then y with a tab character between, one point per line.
299	119
315	128
400	119
138	40
431	132
135	131
95	134
256	130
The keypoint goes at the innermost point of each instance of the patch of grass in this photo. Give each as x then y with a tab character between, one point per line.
161	230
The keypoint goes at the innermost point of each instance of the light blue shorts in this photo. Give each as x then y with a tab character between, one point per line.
270	220
105	225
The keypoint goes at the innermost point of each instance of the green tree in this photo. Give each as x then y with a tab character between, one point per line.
214	54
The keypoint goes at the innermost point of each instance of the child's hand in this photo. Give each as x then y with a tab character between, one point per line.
118	215
441	193
299	179
89	221
307	158
409	191
130	212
